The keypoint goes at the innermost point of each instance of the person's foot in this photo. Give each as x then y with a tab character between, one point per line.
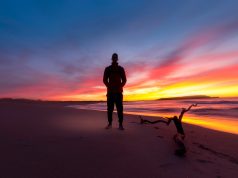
121	127
109	126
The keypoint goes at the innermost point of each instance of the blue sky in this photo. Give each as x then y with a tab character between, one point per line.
56	46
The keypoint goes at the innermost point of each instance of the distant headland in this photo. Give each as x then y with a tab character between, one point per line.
188	97
35	101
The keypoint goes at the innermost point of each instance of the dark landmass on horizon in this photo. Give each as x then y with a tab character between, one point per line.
188	97
66	103
32	101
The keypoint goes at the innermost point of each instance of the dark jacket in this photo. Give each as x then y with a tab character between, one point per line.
114	78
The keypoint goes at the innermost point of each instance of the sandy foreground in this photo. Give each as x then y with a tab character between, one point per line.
53	141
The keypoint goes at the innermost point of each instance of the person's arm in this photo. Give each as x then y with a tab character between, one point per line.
123	77
105	77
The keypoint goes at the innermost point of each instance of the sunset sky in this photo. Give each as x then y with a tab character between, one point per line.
58	49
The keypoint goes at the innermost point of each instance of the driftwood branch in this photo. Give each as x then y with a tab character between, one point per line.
185	110
177	120
144	121
180	135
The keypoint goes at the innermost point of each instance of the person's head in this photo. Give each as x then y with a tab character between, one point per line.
114	57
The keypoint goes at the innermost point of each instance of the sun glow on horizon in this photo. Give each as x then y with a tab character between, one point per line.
151	93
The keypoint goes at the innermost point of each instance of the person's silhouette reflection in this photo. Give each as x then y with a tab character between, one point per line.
114	78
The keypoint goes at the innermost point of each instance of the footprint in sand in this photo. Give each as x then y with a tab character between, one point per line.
159	136
216	153
204	161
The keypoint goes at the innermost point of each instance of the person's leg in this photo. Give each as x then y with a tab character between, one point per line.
110	107
119	105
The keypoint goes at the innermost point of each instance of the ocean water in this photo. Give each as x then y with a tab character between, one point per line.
214	113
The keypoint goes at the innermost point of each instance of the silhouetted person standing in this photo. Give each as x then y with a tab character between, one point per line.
114	78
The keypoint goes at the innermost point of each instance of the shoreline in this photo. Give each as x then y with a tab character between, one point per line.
211	123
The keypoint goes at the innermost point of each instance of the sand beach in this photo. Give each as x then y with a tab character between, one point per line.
40	140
